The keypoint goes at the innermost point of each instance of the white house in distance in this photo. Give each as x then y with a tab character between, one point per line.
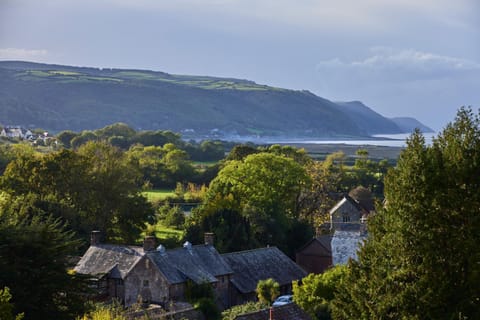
16	132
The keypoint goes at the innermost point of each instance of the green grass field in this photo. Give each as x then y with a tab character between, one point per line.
158	195
163	233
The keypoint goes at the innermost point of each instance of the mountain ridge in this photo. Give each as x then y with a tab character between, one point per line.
57	97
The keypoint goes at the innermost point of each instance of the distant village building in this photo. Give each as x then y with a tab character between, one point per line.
316	255
347	232
16	132
156	275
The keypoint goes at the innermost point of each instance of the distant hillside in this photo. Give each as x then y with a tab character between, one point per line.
57	98
408	125
371	121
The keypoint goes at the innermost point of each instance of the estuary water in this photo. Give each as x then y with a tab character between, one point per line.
387	140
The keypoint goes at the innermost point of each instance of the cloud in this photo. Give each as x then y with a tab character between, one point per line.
389	64
22	54
372	15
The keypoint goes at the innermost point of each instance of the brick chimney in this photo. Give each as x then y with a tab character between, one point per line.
149	243
95	236
209	238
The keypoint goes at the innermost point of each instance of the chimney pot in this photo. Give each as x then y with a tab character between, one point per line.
95	237
149	243
209	238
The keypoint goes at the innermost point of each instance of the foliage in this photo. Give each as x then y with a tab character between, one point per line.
202	296
196	291
163	166
239	152
264	189
231	229
421	258
233	312
6	307
105	312
316	292
209	308
171	216
95	187
33	264
267	290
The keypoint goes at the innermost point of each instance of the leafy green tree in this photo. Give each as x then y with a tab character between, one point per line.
118	129
267	291
265	188
83	138
172	216
421	260
6	307
240	151
231	229
33	264
156	138
66	137
163	166
95	187
316	291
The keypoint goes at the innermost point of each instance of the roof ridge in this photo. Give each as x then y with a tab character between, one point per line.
249	250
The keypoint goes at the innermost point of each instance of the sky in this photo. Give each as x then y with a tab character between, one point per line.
418	58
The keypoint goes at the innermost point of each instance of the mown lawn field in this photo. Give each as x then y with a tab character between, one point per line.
158	194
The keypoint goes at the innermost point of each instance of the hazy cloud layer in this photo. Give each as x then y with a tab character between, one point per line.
388	64
22	54
402	57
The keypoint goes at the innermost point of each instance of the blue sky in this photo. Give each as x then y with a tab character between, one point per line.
417	58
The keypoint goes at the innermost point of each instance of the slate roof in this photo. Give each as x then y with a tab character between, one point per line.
197	263
324	240
253	265
345	199
102	259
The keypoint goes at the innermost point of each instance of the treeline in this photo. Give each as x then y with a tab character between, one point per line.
122	136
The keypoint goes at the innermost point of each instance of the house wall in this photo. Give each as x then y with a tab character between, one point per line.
116	289
177	291
222	291
314	258
349	211
145	283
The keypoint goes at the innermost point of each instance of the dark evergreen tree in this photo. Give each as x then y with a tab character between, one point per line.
34	262
422	258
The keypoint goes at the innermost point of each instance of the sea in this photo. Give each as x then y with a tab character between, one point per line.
387	140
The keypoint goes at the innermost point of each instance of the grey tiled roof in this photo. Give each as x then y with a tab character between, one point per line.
105	258
324	240
199	263
260	264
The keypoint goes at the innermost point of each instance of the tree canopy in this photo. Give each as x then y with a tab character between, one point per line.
264	189
95	187
422	258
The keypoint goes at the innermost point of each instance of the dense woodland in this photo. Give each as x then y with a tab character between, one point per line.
421	259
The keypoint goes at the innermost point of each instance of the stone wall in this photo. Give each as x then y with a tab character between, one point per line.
145	283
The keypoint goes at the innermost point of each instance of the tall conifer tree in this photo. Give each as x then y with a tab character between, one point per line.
422	258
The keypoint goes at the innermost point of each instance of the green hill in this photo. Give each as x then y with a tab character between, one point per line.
56	97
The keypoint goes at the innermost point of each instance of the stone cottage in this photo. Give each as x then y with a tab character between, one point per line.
155	275
347	232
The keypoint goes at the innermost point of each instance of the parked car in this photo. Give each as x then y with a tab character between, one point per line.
280	301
